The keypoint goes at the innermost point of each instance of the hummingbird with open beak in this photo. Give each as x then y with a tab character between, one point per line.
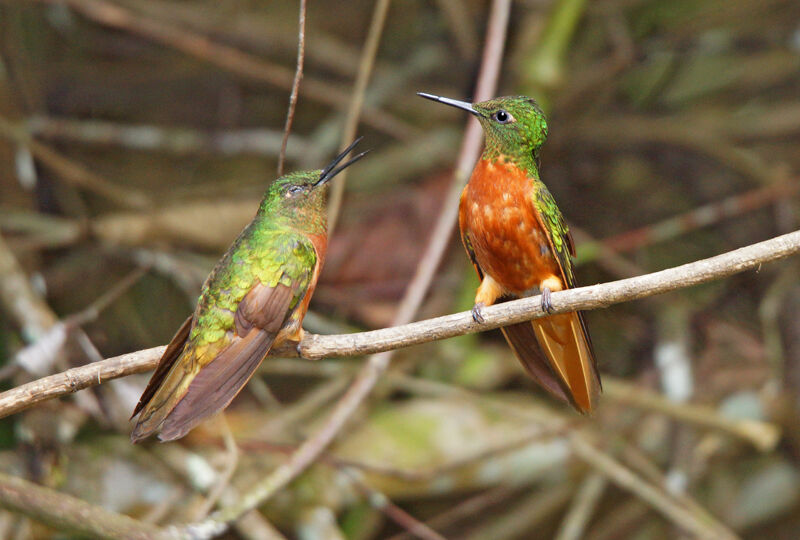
254	299
520	245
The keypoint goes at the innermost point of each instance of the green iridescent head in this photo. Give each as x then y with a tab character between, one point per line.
299	193
515	126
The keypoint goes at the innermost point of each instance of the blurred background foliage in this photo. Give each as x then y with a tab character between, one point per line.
132	151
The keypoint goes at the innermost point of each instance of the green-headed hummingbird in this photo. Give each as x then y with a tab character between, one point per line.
520	245
253	300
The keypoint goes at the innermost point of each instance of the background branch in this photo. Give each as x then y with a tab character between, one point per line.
369	374
298	75
64	512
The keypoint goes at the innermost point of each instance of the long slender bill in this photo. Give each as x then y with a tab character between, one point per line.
463	105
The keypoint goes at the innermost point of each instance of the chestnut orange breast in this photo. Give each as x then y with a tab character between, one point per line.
498	217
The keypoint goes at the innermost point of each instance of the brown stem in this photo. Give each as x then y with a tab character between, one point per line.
298	75
377	363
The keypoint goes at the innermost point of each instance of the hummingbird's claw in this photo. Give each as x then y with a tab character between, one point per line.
477	316
299	349
547	304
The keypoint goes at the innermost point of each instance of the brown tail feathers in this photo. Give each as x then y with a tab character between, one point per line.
557	352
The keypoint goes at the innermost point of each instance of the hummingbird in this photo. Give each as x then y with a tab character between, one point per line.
253	300
520	245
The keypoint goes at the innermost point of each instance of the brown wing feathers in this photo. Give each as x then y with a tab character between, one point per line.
217	384
259	317
257	322
170	356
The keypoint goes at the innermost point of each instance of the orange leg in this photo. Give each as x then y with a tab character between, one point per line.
548	285
488	291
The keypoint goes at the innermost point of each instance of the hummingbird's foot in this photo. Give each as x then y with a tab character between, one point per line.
547	304
299	349
477	316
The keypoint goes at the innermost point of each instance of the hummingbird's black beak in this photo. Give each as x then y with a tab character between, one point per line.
463	105
331	170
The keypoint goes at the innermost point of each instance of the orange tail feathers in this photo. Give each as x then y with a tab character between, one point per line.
563	362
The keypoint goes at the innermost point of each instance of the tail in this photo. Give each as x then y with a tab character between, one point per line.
557	352
186	395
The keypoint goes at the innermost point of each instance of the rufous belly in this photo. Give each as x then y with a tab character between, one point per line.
498	216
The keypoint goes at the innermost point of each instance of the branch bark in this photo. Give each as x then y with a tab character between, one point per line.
317	346
64	512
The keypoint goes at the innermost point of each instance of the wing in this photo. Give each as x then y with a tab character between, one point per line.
470	252
209	374
561	244
170	356
552	222
217	383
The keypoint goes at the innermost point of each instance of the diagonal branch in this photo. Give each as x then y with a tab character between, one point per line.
386	339
376	364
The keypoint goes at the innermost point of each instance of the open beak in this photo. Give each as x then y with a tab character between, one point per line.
331	170
463	105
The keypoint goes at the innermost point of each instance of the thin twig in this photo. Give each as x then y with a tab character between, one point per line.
73	173
762	435
384	504
176	140
377	363
468	508
20	300
705	215
707	528
39	357
298	75
583	504
231	460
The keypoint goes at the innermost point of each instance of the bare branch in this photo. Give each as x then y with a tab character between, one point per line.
317	347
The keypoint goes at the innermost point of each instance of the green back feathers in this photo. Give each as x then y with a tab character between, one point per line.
263	253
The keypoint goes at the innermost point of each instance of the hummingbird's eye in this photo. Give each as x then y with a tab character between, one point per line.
502	117
294	190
